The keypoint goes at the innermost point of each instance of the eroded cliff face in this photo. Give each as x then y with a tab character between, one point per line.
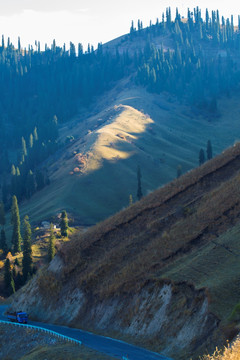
167	317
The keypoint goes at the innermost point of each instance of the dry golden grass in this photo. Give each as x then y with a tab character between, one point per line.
47	282
153	230
115	141
231	352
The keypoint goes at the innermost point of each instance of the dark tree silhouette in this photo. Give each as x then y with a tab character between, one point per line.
15	221
64	223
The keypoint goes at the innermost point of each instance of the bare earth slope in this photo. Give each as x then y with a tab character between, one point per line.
93	176
163	273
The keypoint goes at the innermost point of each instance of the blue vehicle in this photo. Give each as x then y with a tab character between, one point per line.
18	316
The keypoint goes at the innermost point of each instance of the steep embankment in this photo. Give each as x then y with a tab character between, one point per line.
164	272
93	176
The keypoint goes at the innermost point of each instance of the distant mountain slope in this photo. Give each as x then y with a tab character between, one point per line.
164	272
182	75
93	176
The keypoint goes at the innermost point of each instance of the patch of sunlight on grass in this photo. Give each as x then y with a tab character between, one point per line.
119	133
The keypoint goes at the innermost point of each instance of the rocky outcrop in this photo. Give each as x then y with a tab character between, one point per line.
171	318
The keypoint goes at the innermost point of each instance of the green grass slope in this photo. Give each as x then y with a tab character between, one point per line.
93	176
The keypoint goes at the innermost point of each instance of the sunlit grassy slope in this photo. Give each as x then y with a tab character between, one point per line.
94	175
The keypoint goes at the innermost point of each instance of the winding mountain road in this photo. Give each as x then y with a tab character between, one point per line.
106	345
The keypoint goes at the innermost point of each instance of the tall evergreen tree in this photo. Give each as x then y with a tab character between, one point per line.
35	134
139	183
24	147
209	150
64	223
27	250
8	278
51	245
15	221
30	141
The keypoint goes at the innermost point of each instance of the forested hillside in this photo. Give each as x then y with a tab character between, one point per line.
38	89
194	59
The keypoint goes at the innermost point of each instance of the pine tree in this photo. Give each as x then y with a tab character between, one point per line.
30	141
27	250
207	19
15	221
209	150
132	29
24	148
19	44
8	278
201	157
3	242
80	50
139	188
64	223
35	134
51	245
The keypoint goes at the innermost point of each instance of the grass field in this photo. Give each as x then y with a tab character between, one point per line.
94	175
